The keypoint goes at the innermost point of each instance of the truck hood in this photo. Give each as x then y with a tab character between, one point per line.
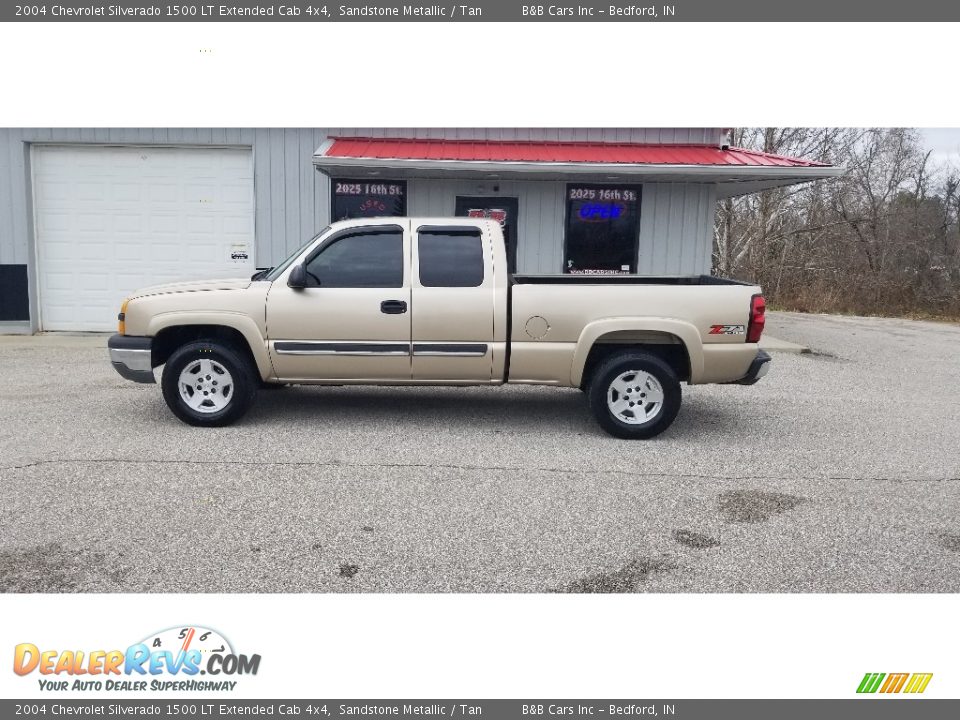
193	286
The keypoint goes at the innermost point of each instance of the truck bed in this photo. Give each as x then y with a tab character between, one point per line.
618	279
554	319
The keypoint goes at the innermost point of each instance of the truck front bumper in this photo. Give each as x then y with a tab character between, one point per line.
131	357
758	368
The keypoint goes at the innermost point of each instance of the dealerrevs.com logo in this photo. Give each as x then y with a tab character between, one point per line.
910	683
172	659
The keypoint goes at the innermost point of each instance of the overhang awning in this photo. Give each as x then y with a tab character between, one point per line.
735	171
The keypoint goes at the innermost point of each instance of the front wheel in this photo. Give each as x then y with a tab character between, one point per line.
634	395
208	384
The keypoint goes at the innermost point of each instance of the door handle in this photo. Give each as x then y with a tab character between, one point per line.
393	307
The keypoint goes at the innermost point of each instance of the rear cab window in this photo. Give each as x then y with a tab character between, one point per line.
450	257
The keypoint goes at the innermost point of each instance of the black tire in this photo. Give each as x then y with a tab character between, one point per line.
243	388
613	368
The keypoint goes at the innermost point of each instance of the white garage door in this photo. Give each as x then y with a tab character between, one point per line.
110	220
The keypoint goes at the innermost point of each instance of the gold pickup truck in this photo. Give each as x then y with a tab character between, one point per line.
429	301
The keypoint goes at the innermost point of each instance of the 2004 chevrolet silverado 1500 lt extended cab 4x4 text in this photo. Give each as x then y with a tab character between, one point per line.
429	301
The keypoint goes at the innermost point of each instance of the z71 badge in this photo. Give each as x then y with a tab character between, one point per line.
727	329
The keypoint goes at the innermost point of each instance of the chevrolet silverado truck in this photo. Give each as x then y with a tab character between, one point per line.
429	301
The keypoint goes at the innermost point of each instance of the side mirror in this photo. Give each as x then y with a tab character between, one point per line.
297	278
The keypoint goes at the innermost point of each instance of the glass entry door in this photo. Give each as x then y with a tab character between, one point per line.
502	209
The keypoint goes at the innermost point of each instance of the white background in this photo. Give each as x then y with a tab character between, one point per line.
440	74
483	74
521	646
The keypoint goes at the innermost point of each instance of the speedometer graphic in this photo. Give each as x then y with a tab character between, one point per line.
184	639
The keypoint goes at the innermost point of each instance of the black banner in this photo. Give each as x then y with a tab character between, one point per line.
210	709
485	11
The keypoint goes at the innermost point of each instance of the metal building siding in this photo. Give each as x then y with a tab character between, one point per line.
676	221
676	228
8	244
690	136
292	199
22	215
540	206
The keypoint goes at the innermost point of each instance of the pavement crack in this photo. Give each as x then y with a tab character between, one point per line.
485	468
35	463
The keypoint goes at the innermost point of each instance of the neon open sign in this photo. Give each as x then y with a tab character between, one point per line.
598	212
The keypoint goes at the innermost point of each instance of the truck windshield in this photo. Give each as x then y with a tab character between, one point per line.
275	272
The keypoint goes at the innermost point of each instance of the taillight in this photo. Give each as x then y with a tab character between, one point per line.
758	309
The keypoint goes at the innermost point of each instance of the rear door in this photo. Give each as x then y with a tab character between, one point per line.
352	322
453	299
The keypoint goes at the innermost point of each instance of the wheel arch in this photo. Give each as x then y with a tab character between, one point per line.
674	341
172	330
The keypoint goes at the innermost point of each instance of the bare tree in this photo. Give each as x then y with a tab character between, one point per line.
881	239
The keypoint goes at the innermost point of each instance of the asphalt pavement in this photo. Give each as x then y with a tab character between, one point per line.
838	472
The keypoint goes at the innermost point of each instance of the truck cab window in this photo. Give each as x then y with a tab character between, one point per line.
451	259
368	259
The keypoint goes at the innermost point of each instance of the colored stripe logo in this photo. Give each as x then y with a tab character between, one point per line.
894	682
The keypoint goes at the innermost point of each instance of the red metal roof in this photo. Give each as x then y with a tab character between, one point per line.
556	152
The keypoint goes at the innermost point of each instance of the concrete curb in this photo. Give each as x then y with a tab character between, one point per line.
772	344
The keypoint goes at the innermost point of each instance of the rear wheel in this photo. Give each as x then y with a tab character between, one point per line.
207	383
634	395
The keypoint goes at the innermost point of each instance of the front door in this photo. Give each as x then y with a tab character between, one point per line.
352	321
502	209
